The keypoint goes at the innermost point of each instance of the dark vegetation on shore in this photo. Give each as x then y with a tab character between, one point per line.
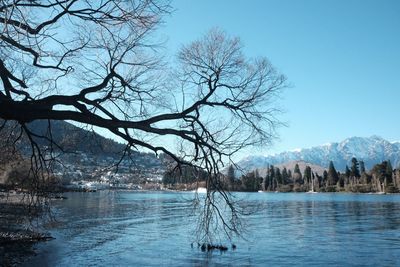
382	178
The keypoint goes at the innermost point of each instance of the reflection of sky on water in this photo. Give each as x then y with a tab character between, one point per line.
153	229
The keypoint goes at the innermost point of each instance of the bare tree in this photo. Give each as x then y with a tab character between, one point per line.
97	63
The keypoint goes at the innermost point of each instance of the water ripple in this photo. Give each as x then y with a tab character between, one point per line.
155	229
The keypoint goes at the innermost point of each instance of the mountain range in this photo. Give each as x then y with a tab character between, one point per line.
371	150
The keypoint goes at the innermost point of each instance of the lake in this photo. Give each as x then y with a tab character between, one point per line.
285	229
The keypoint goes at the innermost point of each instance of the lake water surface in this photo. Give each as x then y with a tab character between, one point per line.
156	229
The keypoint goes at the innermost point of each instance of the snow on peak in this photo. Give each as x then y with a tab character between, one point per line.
371	150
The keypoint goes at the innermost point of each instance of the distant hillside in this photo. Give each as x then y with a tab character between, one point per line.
371	150
75	139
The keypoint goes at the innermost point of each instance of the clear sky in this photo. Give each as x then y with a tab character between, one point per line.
341	57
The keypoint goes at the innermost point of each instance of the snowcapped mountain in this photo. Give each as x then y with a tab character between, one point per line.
371	150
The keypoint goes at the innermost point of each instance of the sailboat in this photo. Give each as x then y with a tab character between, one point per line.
312	187
200	190
383	189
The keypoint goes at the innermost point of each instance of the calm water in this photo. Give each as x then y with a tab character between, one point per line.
155	229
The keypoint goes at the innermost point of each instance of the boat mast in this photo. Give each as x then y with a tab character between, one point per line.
312	182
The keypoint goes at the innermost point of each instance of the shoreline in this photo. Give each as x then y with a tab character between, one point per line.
17	245
19	229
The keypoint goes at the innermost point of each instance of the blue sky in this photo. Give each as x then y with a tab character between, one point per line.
342	58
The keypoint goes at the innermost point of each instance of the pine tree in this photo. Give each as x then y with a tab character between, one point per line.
271	178
325	176
317	182
250	182
267	180
347	172
297	169
272	172
355	172
362	167
231	174
285	176
389	171
290	174
307	174
278	176
297	174
332	175
389	168
378	173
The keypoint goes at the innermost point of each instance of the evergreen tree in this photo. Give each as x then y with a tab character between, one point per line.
231	174
272	172
317	182
379	172
333	177
267	179
297	174
285	176
342	179
355	172
168	178
325	176
278	176
250	182
271	178
347	172
307	174
297	169
389	169
362	167
290	174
